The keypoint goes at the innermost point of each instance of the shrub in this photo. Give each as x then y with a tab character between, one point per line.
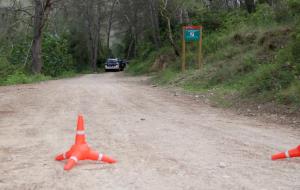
263	16
56	56
294	5
20	77
290	95
6	69
20	52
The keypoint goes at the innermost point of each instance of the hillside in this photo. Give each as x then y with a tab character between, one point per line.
251	60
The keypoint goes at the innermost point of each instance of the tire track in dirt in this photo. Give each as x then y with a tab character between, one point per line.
162	141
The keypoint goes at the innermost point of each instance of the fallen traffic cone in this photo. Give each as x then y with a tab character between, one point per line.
81	151
288	154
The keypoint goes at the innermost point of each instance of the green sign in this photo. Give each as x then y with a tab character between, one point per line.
192	35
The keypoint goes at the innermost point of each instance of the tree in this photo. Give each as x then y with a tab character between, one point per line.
165	13
41	13
92	16
110	21
250	5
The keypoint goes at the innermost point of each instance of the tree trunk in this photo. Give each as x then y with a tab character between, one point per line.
93	19
95	57
250	6
154	24
110	23
129	53
37	38
171	39
164	13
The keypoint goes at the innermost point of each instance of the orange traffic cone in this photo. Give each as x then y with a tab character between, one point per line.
80	132
81	151
288	154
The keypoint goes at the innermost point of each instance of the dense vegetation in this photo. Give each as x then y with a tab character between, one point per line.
251	48
248	55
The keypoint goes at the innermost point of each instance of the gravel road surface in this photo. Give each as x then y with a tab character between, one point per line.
161	141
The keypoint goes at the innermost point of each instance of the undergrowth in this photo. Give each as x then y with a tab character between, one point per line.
251	57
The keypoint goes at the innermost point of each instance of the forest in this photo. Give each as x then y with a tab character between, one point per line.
250	48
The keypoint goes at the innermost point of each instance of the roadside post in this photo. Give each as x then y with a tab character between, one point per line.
191	34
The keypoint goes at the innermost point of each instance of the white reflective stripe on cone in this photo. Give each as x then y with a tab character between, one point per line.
74	158
287	154
100	157
80	133
64	156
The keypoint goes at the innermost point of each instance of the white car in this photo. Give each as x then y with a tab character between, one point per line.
115	64
112	64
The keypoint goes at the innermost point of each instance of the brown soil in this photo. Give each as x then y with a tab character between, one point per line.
162	140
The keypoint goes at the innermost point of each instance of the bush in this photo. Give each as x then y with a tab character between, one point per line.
20	77
290	95
6	69
56	56
20	52
295	49
294	5
212	20
263	16
268	78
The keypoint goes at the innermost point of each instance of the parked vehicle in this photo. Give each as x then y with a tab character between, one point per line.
115	65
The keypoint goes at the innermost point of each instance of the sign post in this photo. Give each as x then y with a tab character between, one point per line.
191	34
183	51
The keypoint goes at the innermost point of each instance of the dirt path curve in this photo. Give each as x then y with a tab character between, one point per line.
161	141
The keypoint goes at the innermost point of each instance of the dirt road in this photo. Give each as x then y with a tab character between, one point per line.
161	141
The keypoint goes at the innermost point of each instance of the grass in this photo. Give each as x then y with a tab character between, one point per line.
256	66
21	78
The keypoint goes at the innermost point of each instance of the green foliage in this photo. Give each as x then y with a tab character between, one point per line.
56	56
139	67
6	69
295	49
294	6
78	49
240	59
267	78
263	16
213	42
211	20
145	48
234	18
21	78
167	75
118	50
20	53
290	95
142	65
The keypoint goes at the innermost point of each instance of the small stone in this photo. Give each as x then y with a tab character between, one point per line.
197	96
226	176
143	119
154	85
222	165
176	94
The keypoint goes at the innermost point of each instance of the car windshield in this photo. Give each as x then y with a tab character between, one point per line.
111	61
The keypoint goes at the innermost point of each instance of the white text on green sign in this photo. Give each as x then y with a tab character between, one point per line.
192	35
